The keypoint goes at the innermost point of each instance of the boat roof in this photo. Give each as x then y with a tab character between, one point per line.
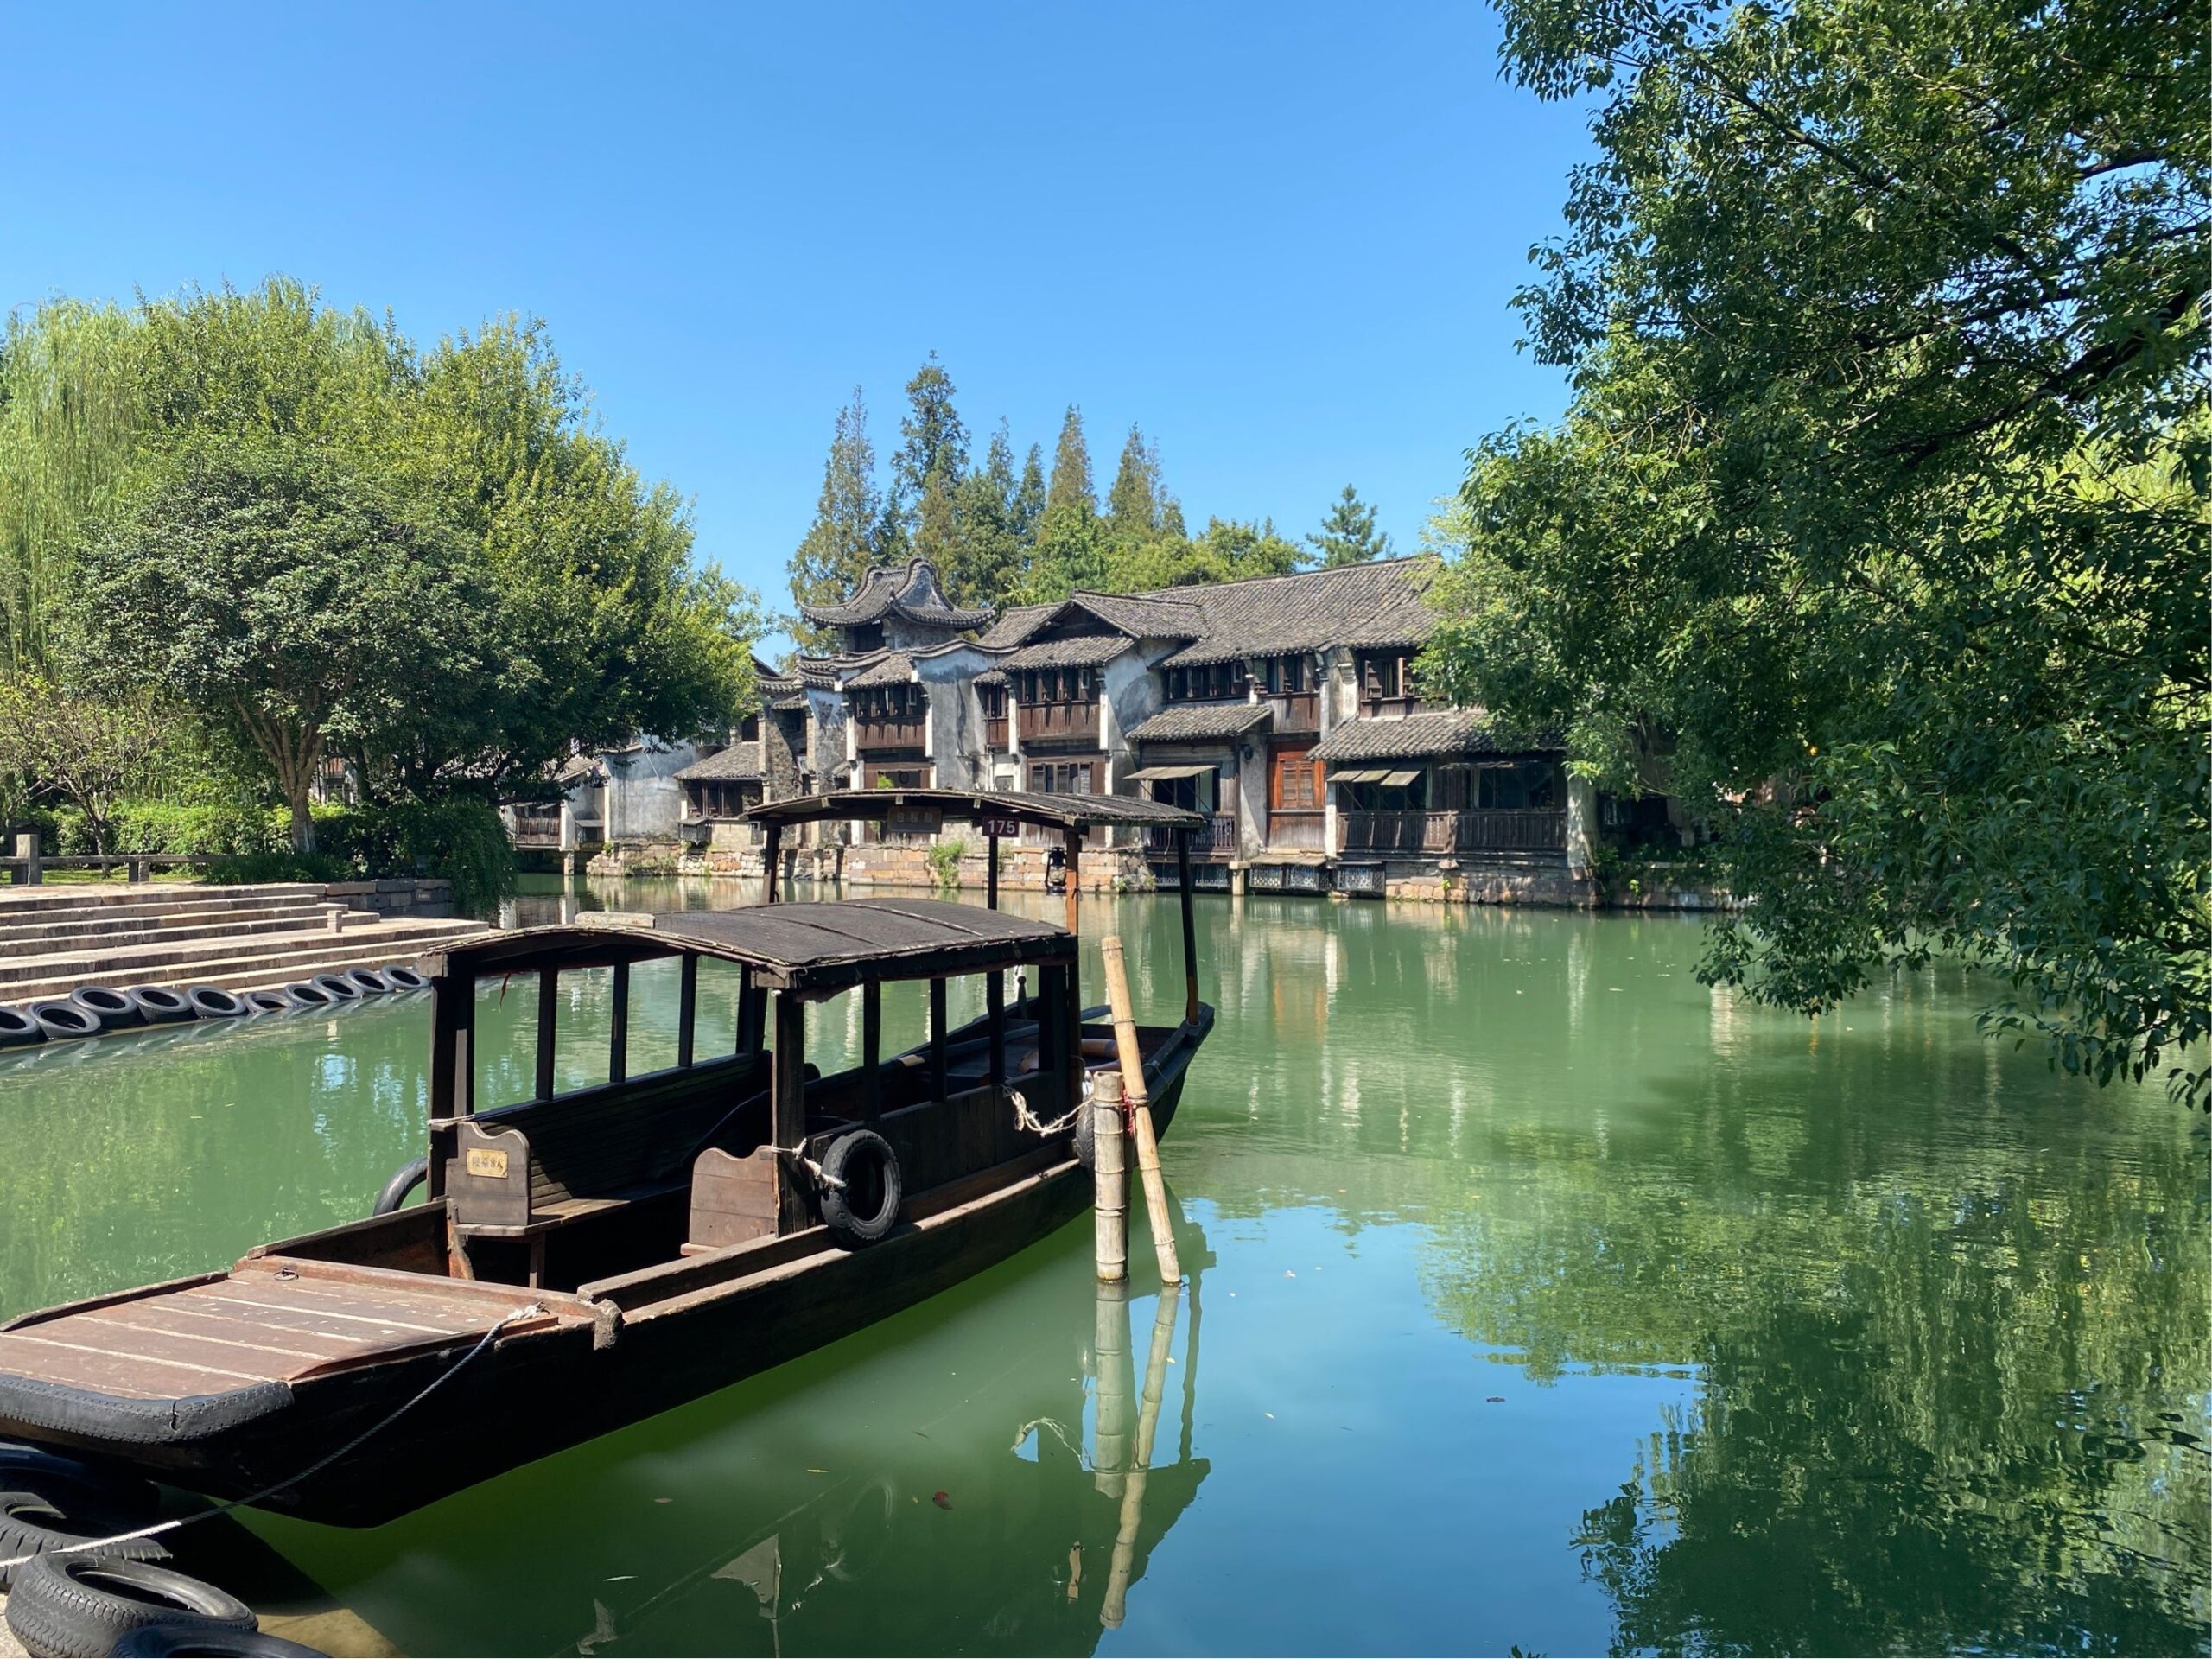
823	946
1051	811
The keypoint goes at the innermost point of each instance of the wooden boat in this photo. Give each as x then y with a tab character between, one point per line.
583	1260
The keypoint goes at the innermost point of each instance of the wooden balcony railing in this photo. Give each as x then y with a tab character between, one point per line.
1301	831
1069	724
995	733
1294	711
1217	840
1475	830
883	735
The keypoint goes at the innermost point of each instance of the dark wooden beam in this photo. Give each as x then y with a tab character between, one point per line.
549	999
452	1093
1190	949
770	856
872	1049
991	881
995	1016
1075	885
939	1086
1071	1004
687	1007
617	1027
787	1107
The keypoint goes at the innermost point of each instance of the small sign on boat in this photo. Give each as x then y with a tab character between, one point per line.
483	1162
913	821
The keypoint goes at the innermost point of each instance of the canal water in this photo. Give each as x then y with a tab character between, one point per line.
1538	1297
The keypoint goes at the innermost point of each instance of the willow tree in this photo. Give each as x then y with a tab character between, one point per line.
1877	512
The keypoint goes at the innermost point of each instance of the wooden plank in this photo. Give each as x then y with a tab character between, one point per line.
787	1102
173	1314
549	999
618	1025
937	1089
687	1007
236	1336
83	1365
872	1050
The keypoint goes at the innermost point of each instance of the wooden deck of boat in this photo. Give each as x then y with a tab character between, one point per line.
268	1320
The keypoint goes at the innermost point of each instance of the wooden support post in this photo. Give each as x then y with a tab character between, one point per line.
772	858
453	1027
1114	1606
1133	1089
939	1087
1109	1171
549	1004
994	1018
687	1007
1190	929
787	1108
991	881
618	1027
1071	1012
872	1049
1051	1012
1074	844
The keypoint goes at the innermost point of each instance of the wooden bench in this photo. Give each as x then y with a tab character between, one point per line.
520	1172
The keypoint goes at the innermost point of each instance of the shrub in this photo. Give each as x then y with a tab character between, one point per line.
944	861
460	838
244	868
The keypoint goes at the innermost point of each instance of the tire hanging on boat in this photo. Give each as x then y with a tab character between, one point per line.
32	1524
55	1475
80	1606
166	1641
861	1188
404	1179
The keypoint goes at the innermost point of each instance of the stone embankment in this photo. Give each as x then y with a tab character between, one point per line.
54	939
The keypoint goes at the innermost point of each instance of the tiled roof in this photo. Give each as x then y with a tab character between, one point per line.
1364	606
791	704
909	590
1195	722
1459	731
1083	650
892	668
1015	624
1141	616
738	763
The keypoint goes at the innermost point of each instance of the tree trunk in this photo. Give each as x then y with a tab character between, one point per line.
295	786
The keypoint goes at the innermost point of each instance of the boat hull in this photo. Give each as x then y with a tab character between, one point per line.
551	1383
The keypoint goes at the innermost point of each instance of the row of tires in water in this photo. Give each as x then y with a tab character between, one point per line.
85	1591
95	1009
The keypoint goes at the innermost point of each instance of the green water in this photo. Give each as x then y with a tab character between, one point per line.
1539	1296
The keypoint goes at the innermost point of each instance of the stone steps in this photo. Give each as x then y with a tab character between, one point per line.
136	926
256	960
48	903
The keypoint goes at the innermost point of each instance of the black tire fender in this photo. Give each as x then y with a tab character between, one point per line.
32	1524
162	1005
368	981
404	1179
337	987
306	993
862	1189
406	979
80	1606
273	1000
213	1002
1086	1135
167	1641
18	1029
60	1017
114	1009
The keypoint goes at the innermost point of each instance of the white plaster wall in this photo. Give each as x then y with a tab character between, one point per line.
644	800
956	743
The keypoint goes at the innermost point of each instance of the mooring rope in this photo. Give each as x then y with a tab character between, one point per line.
1024	1118
797	1154
316	1467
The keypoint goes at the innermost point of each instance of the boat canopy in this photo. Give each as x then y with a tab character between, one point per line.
813	947
972	806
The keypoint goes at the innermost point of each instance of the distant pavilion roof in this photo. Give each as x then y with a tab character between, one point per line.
910	591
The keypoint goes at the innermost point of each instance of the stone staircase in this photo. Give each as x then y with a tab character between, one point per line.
54	939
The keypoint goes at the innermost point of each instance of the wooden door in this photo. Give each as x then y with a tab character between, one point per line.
1294	798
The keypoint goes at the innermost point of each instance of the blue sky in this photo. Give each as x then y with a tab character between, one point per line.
1282	238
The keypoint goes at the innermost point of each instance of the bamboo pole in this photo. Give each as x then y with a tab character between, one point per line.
1109	1453
1115	1604
1109	1169
1139	1105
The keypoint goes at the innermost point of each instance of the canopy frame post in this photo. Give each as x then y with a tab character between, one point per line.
787	1108
687	1007
452	1062
618	1027
872	1050
939	1086
772	858
991	879
994	1018
549	1002
1072	840
1190	939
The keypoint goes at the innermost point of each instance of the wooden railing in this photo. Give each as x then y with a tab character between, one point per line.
995	733
1217	840
1059	723
1294	711
1475	830
904	734
1290	832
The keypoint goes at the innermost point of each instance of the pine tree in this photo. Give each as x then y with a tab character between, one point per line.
846	535
1028	503
931	438
983	565
1072	486
1133	504
1348	534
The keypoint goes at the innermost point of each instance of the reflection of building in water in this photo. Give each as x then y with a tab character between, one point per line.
1043	1545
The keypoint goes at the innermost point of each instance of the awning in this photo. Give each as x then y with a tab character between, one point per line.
1369	776
1397	780
1160	774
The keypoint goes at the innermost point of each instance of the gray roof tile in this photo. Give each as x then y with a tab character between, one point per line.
1195	722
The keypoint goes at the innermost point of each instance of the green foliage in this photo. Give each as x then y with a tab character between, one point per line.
86	750
459	838
933	442
286	599
1134	503
1877	520
1071	489
1348	534
249	868
944	861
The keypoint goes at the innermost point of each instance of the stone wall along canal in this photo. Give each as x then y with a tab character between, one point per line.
1539	1296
